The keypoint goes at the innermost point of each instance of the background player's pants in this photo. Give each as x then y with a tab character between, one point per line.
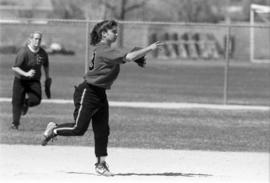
20	89
90	104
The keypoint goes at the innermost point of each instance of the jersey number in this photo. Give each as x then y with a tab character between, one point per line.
91	66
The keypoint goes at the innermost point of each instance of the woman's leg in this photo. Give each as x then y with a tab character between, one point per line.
85	106
18	95
100	123
34	93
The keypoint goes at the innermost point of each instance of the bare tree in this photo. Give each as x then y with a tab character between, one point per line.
197	11
119	9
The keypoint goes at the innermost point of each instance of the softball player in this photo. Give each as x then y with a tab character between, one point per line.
90	98
27	70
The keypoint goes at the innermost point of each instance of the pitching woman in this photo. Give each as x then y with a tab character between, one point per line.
90	97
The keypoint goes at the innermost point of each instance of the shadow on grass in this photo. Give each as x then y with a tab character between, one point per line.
170	174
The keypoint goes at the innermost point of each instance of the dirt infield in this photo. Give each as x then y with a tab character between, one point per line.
28	163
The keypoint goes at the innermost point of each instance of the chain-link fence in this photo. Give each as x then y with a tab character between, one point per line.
218	53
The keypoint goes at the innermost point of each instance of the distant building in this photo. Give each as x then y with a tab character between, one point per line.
25	8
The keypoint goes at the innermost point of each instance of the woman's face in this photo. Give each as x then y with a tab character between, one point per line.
35	41
111	35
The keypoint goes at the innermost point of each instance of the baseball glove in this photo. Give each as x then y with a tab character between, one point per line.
140	61
48	83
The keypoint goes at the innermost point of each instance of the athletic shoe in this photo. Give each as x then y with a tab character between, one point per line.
48	133
102	169
14	127
25	107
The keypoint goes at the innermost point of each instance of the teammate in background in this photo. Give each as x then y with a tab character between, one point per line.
26	84
90	97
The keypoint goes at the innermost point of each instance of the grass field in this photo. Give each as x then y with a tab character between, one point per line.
163	81
156	128
152	128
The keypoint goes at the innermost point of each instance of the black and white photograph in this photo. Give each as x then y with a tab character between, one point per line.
135	91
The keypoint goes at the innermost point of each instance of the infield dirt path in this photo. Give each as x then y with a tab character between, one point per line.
27	163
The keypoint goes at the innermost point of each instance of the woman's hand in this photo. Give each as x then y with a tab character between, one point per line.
30	73
156	45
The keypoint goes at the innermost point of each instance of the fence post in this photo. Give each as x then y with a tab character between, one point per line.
87	41
226	69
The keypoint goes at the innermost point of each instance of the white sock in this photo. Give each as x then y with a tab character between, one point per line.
101	159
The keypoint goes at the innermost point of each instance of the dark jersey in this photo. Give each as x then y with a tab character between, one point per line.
27	60
105	66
